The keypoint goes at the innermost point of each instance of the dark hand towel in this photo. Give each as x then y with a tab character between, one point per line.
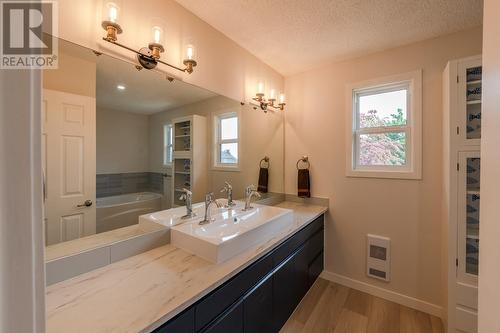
263	180
303	184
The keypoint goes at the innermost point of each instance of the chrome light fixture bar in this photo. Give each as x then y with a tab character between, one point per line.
148	57
271	101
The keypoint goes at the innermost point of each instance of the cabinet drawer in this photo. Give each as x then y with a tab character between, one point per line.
292	243
315	245
215	303
231	321
182	323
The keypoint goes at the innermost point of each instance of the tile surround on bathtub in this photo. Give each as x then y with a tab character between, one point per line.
132	182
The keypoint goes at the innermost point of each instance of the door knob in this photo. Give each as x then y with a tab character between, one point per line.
87	203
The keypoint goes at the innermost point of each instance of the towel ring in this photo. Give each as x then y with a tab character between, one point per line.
304	159
265	160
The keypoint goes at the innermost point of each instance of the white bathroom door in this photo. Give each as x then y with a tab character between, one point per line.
69	157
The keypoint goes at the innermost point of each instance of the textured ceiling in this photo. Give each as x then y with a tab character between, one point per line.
294	35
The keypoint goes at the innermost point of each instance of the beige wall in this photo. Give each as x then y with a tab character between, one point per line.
223	66
407	211
261	134
74	75
489	268
122	143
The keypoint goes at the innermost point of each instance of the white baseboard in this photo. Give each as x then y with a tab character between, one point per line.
389	295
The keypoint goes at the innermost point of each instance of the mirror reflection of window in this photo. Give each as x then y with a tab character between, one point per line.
227	139
168	147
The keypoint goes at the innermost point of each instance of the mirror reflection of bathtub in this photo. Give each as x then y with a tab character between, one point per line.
123	210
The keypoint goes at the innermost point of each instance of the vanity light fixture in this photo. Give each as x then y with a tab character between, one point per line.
148	57
271	101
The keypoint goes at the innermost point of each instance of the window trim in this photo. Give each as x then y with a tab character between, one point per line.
217	141
413	129
166	145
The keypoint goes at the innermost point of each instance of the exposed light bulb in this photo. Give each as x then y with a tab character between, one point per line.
113	13
120	87
157	34
189	52
282	98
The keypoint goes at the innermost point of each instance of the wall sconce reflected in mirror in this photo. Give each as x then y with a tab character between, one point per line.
270	102
190	55
148	57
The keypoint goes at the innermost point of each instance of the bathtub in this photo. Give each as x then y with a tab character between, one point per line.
120	211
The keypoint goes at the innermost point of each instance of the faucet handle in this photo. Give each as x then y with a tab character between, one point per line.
209	197
250	188
185	194
227	187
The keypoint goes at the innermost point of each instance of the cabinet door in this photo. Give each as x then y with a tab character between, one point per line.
315	268
258	309
468	216
469	101
231	321
468	240
284	293
289	286
301	273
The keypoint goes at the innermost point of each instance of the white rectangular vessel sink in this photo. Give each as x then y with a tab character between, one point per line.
174	216
232	232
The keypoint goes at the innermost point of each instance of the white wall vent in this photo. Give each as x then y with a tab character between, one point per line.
378	263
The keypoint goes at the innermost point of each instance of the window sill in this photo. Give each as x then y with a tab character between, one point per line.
408	175
226	168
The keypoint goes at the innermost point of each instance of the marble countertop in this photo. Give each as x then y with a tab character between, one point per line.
140	293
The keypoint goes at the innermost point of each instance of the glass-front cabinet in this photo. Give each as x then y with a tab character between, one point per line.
462	104
469	79
468	216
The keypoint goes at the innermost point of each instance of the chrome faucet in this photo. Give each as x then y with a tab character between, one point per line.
187	196
229	190
250	192
209	200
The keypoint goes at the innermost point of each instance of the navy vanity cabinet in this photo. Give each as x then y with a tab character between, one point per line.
261	298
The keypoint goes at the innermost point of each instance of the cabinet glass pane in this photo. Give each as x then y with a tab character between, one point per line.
472	258
472	222
474	93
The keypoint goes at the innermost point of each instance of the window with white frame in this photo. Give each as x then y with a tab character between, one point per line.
385	127
226	140
168	146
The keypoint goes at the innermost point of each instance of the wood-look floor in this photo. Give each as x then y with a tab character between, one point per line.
330	307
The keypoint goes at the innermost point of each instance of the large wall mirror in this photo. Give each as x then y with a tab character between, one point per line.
119	142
